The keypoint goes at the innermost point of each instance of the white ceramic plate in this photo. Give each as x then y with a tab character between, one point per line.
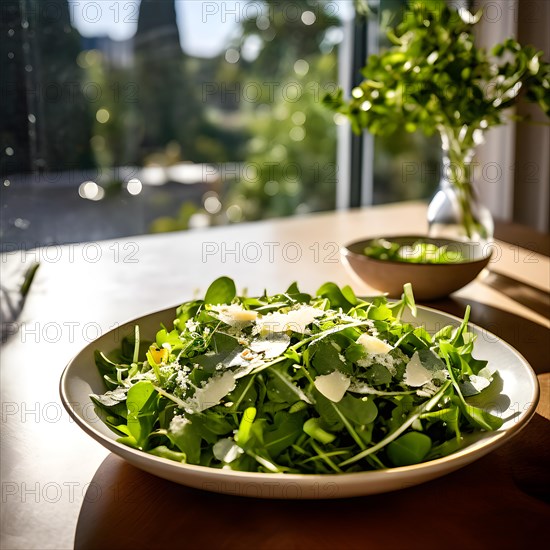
516	403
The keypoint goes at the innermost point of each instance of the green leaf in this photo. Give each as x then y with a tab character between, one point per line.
458	335
326	358
221	291
164	452
408	449
294	292
287	429
245	427
450	416
410	342
185	312
408	297
111	409
128	440
141	404
336	297
312	427
401	428
293	289
165	337
222	349
104	364
135	356
350	412
358	410
478	417
378	310
355	352
404	405
223	343
211	425
349	295
244	395
281	388
377	375
430	360
184	434
481	418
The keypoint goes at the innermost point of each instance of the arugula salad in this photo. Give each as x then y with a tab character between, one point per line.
295	383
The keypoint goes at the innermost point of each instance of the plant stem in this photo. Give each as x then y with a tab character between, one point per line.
459	175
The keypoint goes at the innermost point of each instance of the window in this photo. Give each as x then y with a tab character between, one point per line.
402	166
127	117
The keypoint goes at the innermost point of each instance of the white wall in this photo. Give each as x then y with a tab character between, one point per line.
494	174
513	176
532	177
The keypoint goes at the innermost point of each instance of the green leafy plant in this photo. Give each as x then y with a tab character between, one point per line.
435	79
295	383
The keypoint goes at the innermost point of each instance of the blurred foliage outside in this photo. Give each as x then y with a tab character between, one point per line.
257	117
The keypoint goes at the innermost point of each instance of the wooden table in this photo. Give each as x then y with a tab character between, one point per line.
62	489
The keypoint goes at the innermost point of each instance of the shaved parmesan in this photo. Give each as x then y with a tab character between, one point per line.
479	382
215	389
333	386
247	369
373	345
296	320
416	374
226	450
272	345
235	314
246	361
487	372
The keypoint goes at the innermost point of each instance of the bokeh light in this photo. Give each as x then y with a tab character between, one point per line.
102	116
308	18
134	186
91	190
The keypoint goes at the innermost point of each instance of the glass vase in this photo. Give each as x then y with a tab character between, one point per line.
455	212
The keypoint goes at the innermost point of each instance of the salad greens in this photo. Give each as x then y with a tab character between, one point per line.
295	383
418	252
